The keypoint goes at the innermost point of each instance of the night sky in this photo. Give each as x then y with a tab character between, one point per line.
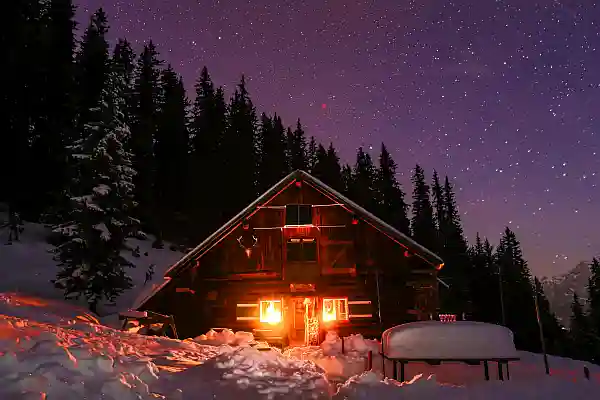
502	96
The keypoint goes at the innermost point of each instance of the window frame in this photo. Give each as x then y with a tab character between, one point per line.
301	243
296	221
339	316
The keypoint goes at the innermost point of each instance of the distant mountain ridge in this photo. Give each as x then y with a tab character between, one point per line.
559	289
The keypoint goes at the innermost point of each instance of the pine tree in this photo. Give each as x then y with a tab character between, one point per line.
581	332
363	189
392	207
240	164
296	146
54	116
92	67
124	61
422	223
593	292
439	209
102	196
19	42
171	150
272	152
143	132
311	153
516	279
347	179
484	285
207	129
454	250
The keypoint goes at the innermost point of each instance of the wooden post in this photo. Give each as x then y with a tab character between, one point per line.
500	371
394	370
486	371
369	360
401	371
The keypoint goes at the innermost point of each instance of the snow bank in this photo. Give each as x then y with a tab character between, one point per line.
225	336
370	385
249	373
338	366
457	340
31	267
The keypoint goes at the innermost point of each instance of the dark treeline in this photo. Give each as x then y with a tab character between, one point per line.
102	143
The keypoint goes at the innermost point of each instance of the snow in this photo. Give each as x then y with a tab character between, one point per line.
72	359
459	340
48	349
32	267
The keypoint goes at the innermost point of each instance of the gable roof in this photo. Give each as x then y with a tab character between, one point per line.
300	175
420	251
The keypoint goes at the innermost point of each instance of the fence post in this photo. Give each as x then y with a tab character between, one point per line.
369	360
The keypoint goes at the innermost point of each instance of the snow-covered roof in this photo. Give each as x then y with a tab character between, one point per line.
443	341
418	250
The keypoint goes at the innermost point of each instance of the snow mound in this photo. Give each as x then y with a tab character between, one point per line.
329	356
253	374
77	359
457	340
225	336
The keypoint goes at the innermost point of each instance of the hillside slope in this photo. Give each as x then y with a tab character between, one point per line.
27	266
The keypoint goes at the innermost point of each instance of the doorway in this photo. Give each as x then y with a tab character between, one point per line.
304	324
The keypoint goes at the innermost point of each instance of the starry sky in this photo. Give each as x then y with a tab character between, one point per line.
503	96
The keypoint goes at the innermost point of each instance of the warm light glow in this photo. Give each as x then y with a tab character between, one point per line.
445	318
270	311
335	309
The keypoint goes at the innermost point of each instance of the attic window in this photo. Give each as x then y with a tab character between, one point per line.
298	214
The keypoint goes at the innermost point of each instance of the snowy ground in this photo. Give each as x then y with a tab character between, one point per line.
46	353
27	266
50	349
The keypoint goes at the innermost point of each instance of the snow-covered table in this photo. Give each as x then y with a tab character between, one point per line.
435	342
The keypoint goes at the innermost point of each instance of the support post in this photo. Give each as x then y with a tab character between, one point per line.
541	329
486	371
402	371
500	370
369	360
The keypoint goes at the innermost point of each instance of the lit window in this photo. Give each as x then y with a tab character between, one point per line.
270	311
335	309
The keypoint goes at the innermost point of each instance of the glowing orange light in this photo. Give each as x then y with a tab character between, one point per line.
270	312
335	309
248	252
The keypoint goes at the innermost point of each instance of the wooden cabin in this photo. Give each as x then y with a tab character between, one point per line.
300	260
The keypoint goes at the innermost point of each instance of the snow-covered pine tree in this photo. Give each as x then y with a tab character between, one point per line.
100	220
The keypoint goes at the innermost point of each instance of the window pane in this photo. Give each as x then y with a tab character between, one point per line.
304	214
298	214
310	251
294	251
291	214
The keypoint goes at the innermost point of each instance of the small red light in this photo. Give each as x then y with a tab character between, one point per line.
246	226
298	184
354	221
406	253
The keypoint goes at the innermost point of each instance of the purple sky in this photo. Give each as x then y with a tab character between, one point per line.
503	96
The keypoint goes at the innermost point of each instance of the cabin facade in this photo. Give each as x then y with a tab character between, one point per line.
299	261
